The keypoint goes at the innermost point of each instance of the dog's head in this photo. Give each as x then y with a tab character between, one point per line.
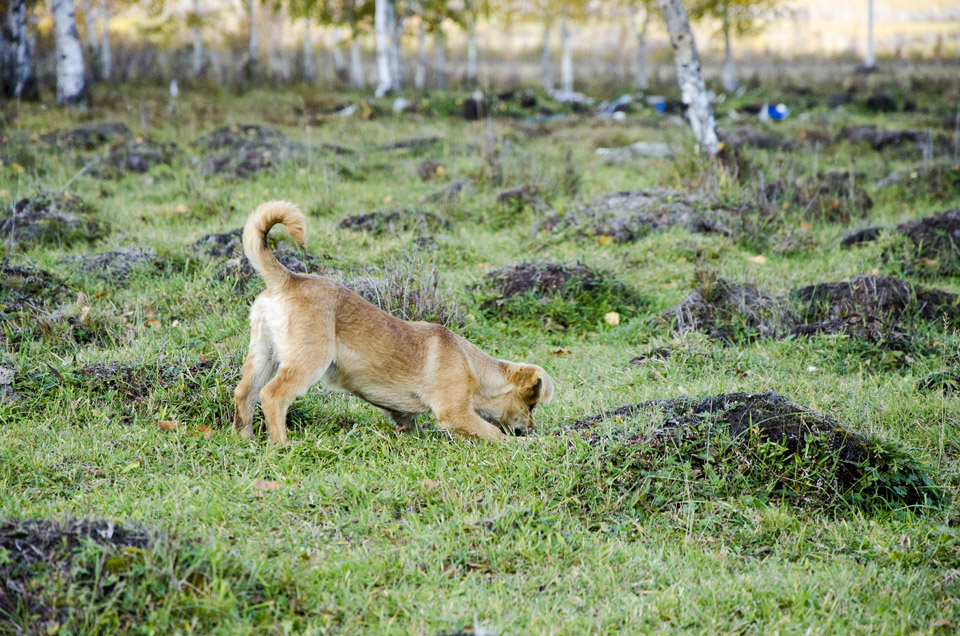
528	385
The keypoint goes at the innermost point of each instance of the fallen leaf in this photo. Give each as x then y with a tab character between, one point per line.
387	200
612	318
556	353
263	484
603	240
181	208
168	425
806	226
759	259
205	431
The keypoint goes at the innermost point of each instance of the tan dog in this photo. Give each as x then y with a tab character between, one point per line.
310	328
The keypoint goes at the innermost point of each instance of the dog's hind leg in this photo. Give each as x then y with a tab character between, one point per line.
257	369
289	383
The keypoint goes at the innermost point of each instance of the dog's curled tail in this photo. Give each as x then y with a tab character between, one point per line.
255	238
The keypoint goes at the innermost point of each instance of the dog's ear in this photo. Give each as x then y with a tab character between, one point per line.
535	385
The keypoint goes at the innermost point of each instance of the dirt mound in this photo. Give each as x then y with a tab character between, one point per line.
39	554
522	196
733	444
882	297
233	266
89	136
137	156
242	151
428	169
554	295
880	139
936	237
936	181
629	216
860	237
49	218
395	221
453	192
136	382
27	289
731	312
115	266
834	197
741	136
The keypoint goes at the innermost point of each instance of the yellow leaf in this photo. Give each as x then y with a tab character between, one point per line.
720	146
806	226
612	318
263	484
441	169
168	425
603	240
759	259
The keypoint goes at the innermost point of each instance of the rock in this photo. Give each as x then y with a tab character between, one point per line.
638	150
629	216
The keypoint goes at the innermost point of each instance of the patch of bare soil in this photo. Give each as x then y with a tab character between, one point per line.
241	151
730	312
89	136
763	442
394	221
880	139
453	192
28	289
629	216
876	297
116	265
49	217
834	197
40	554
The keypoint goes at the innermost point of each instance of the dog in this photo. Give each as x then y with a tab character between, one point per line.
310	329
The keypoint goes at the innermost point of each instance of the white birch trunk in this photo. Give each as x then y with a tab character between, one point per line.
308	70
339	61
643	74
545	66
729	77
381	24
420	72
689	76
471	76
396	49
106	53
566	58
356	64
253	46
441	59
869	61
16	68
71	84
197	59
92	44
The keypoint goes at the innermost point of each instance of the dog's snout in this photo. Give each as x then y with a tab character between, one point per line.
519	430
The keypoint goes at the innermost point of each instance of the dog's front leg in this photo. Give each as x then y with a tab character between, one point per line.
466	423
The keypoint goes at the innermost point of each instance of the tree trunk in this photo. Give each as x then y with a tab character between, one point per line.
16	70
71	84
308	71
92	44
396	50
339	62
106	53
197	60
420	72
438	44
545	66
356	64
566	58
869	61
253	47
643	74
729	79
689	76
471	77
382	25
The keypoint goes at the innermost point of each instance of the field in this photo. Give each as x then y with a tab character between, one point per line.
790	465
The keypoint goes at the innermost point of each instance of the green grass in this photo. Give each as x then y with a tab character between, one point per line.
363	530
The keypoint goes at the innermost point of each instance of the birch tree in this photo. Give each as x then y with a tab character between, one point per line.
869	62
71	83
102	15
253	44
689	75
643	9
382	24
17	80
195	22
308	68
546	64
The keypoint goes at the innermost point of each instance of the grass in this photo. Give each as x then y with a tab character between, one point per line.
357	529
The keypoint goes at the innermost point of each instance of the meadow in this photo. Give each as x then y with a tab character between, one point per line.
756	358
